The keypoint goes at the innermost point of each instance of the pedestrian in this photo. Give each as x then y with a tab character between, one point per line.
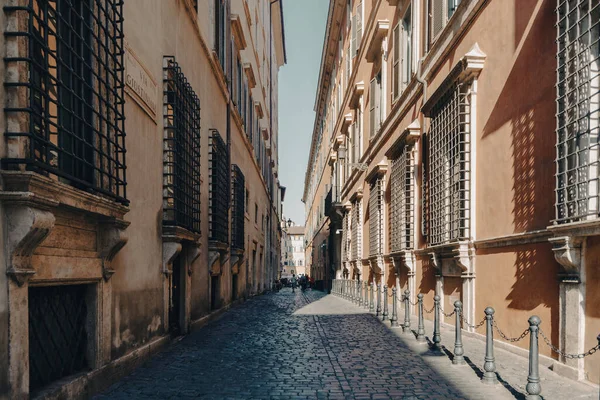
294	282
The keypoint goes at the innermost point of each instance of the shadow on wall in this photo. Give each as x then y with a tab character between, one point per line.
428	276
535	282
531	118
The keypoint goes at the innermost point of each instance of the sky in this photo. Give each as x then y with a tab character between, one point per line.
304	30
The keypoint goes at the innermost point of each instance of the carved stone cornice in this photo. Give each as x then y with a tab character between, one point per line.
359	89
44	192
567	252
374	47
377	172
112	237
452	259
27	229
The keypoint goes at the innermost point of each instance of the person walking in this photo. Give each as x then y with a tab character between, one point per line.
294	283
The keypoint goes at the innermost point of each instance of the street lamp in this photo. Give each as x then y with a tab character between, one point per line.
289	222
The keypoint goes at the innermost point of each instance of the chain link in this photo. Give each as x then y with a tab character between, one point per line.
414	304
509	339
447	315
479	325
565	355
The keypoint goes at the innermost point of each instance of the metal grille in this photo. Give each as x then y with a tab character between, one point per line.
57	333
356	230
578	110
402	198
219	188
376	218
181	159
237	207
449	167
345	237
71	121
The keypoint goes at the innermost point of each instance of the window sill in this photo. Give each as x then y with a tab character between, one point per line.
38	190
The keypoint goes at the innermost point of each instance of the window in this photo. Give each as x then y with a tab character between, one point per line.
219	194
375	105
356	230
578	113
345	237
402	219
376	217
449	167
237	208
440	12
181	160
247	201
73	96
256	213
359	24
221	32
402	55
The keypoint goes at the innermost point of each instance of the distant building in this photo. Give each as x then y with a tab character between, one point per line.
292	251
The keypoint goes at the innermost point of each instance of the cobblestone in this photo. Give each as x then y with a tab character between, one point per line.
305	346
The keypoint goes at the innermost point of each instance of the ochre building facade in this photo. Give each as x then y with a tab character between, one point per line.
455	152
139	190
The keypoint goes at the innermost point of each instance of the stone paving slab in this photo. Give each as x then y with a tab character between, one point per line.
305	346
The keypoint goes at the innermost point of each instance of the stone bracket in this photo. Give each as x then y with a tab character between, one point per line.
454	259
376	264
237	257
112	238
217	252
27	229
193	254
171	250
406	258
567	252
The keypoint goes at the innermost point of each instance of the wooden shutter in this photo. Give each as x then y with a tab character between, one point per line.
359	23
372	106
353	37
396	60
437	17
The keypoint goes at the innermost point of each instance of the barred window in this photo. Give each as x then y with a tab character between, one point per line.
73	118
181	160
356	230
219	188
402	221
375	108
376	217
578	110
449	167
345	232
237	208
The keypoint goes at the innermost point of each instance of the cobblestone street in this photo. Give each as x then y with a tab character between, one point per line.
308	345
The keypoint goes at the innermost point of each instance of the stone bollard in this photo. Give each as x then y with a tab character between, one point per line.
421	326
489	376
458	346
372	297
378	309
385	303
366	300
357	291
437	338
406	326
533	379
394	319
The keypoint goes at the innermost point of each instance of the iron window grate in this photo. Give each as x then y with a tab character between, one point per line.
181	157
376	217
57	333
402	198
449	168
578	110
219	188
71	122
237	207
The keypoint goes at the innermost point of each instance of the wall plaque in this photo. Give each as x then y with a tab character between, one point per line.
140	85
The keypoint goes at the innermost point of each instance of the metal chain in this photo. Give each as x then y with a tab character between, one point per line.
447	315
509	339
565	355
414	304
430	311
479	325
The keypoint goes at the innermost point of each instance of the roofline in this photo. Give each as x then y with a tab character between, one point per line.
330	13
